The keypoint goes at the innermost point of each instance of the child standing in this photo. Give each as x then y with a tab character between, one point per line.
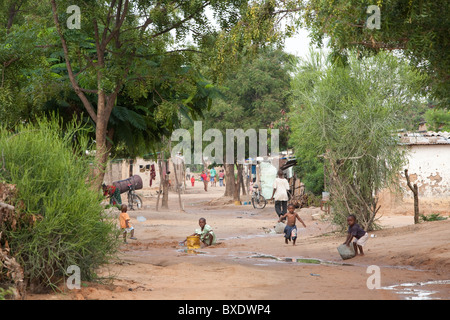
221	176
205	180
290	231
192	180
125	223
355	231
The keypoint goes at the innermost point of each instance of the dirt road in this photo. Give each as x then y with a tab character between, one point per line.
251	262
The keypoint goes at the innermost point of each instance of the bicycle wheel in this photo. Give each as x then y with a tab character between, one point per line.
134	201
259	202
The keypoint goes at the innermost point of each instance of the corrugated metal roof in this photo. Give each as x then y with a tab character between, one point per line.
425	138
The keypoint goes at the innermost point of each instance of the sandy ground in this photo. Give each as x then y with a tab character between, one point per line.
252	263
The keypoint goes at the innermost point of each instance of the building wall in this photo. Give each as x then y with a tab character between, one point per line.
120	169
114	171
142	168
429	167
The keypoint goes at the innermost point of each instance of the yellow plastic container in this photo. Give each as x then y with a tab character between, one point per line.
193	242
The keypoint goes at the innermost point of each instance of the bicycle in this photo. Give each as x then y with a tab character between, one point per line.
258	201
133	198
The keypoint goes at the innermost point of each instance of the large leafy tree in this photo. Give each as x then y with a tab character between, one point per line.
419	29
26	78
348	116
256	96
117	38
124	63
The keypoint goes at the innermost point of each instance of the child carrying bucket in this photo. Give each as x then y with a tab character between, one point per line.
357	234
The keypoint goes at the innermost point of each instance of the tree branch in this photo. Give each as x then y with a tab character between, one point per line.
73	81
7	206
408	181
179	23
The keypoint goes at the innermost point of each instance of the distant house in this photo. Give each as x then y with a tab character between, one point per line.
120	169
429	167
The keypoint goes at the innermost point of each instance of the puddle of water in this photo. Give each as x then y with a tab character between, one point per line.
251	236
314	261
265	256
410	291
191	251
297	260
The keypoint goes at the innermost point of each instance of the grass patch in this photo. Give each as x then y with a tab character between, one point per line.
432	217
313	261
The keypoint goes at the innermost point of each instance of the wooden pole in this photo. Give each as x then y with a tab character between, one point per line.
415	191
159	160
178	186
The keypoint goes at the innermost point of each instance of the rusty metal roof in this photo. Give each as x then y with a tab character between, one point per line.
425	138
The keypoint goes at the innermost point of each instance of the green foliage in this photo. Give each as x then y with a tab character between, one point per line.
432	217
61	222
257	96
347	116
155	72
438	119
418	28
5	293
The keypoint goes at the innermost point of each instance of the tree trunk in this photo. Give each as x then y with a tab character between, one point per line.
416	204
165	198
178	187
243	182
105	103
11	14
101	130
415	191
230	181
160	181
237	186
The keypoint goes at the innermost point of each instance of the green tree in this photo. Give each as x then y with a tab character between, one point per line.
418	28
257	96
119	36
348	116
438	119
26	77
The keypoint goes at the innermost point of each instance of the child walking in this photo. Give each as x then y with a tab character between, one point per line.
355	231
290	231
125	224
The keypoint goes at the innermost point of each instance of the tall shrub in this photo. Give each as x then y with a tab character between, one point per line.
60	219
348	115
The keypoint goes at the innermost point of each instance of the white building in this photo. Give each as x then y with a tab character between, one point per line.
429	167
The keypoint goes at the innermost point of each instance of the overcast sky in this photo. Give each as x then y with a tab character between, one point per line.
299	44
